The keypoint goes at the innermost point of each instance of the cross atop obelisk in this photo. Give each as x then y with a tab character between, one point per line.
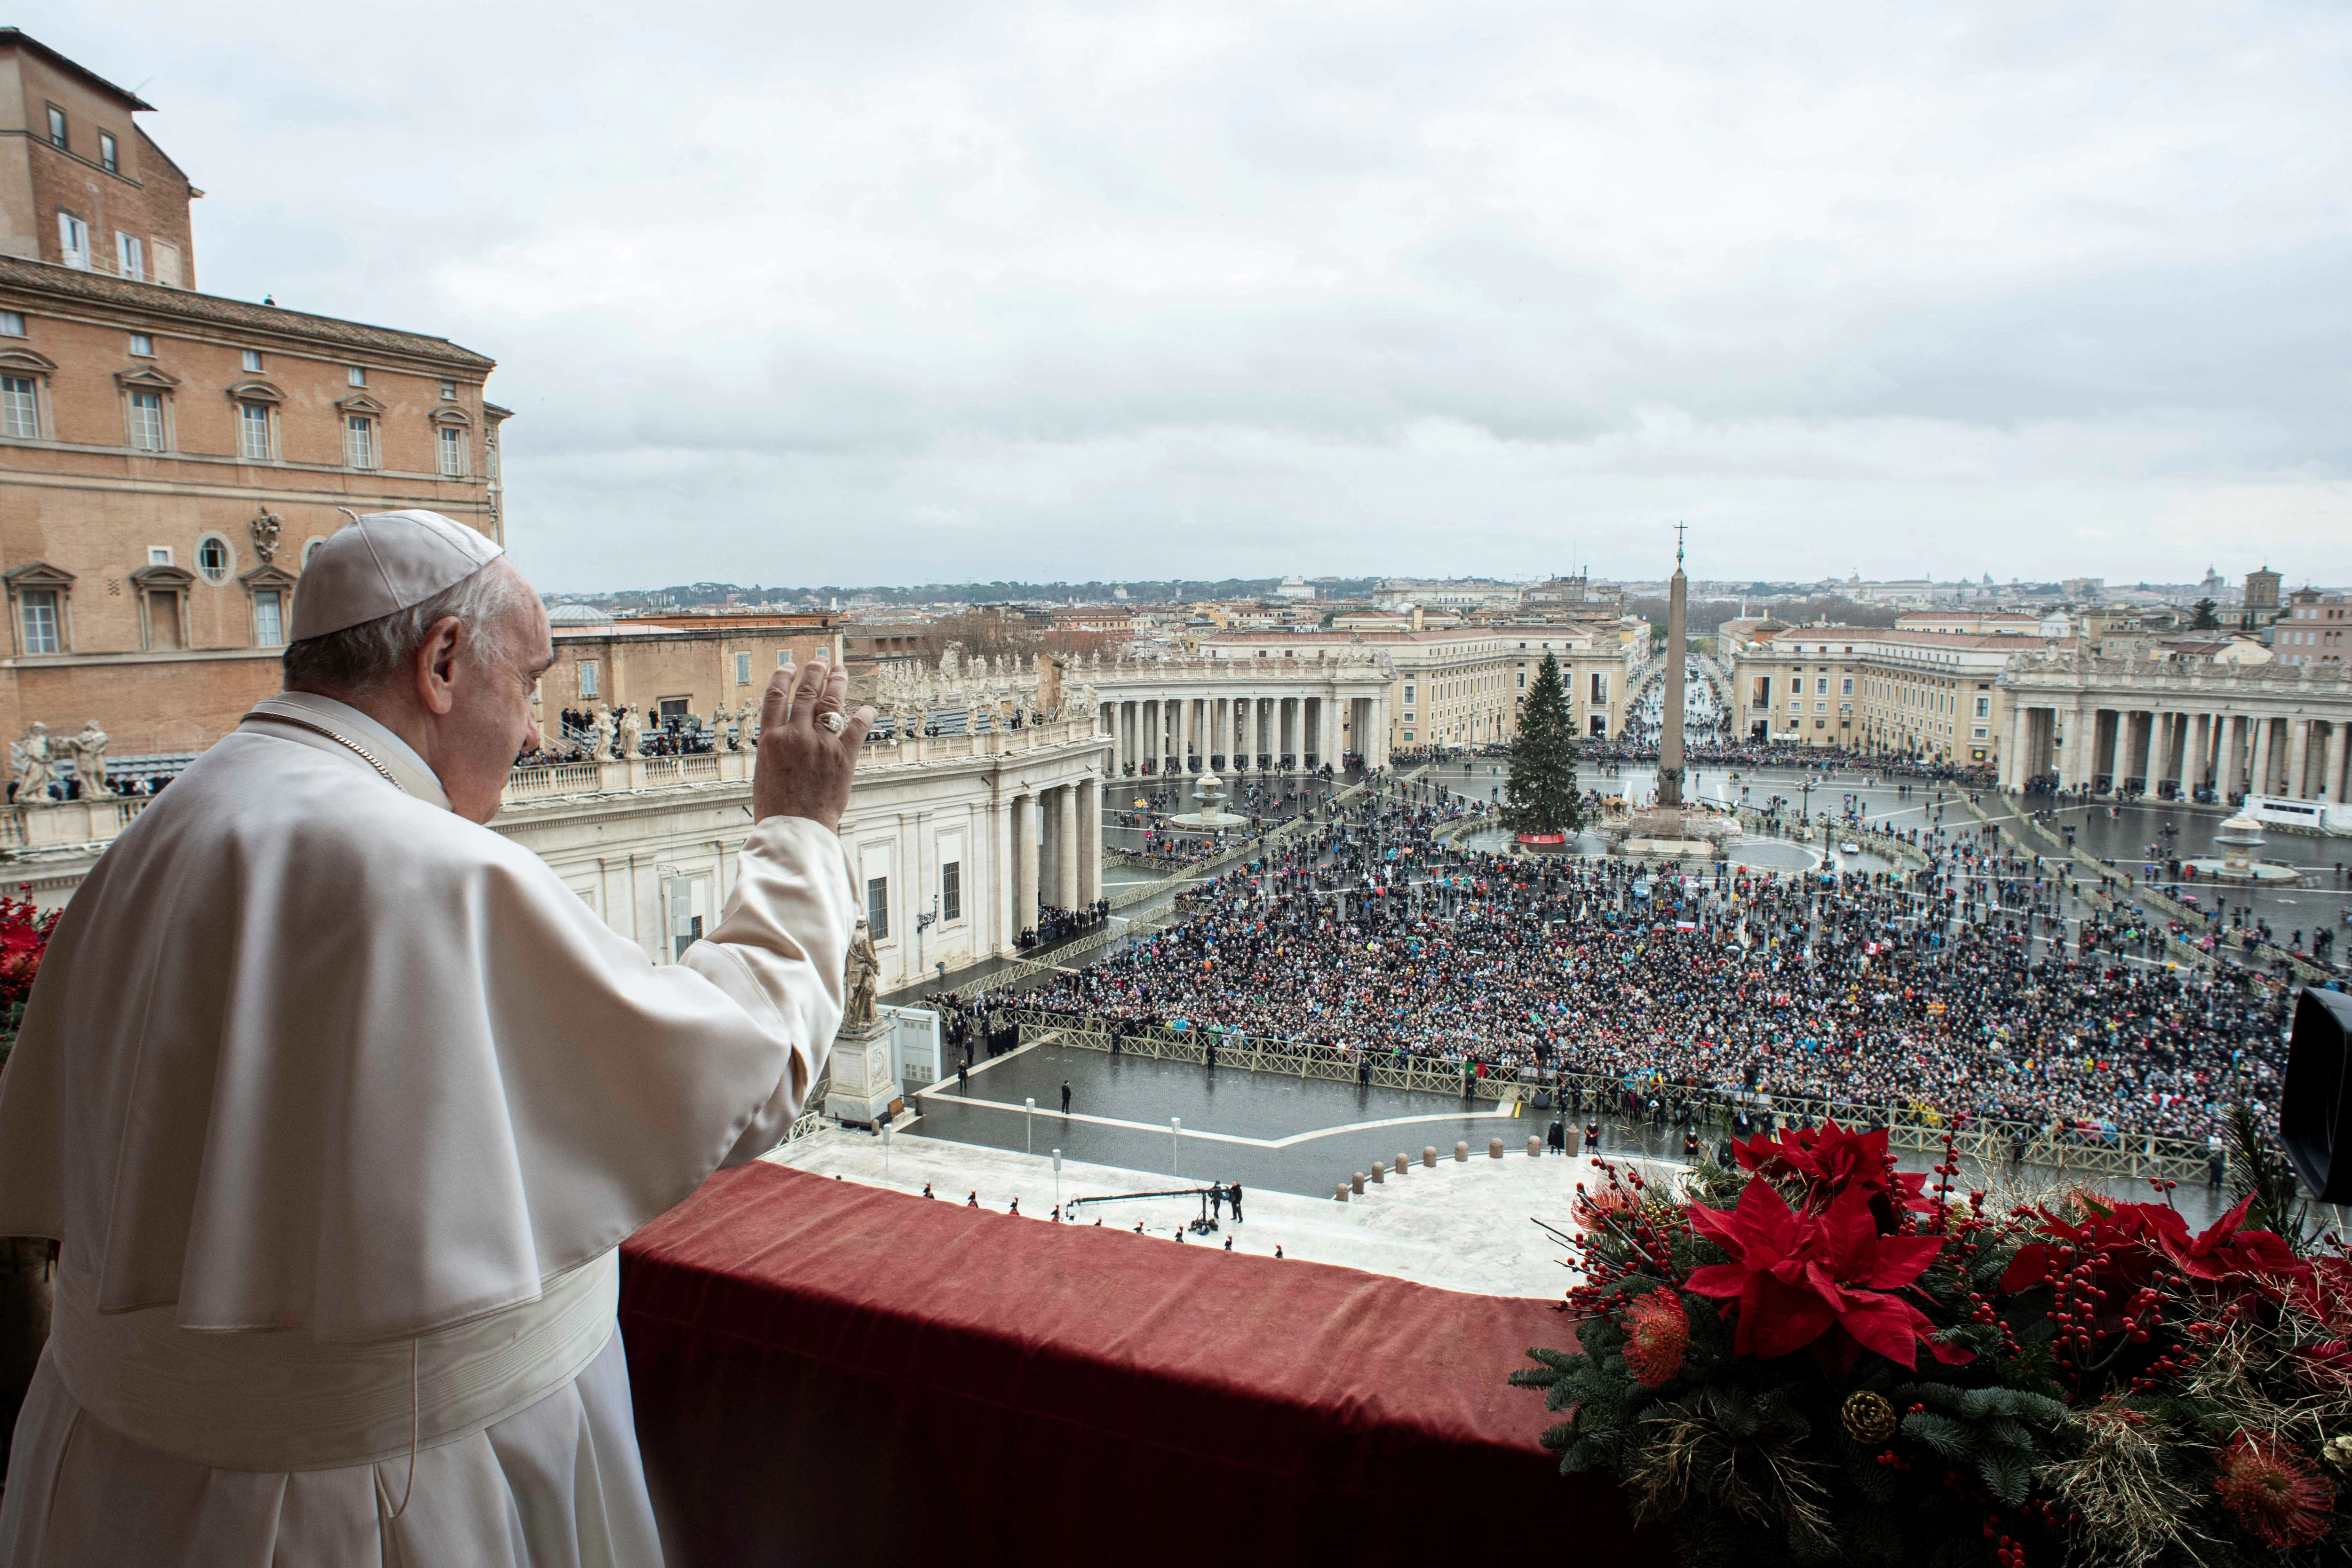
1670	743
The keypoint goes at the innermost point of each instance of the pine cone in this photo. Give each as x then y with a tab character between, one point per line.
1868	1418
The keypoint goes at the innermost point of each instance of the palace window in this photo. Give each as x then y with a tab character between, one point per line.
877	907
252	359
147	421
451	448
108	155
951	891
73	240
253	432
56	126
20	407
357	376
143	346
742	669
359	440
40	612
212	557
268	619
12	323
587	680
129	256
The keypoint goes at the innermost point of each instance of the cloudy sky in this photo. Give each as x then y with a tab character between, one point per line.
903	292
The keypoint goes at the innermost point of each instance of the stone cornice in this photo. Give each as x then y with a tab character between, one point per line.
41	279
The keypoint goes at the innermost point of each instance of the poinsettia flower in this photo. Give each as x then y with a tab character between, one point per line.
2131	1236
1833	1158
2326	1293
2133	1242
2225	1251
1796	1275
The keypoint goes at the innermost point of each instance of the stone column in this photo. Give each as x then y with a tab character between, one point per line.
1024	865
2201	742
2331	766
2081	738
1184	738
2261	784
2298	759
1049	848
2013	760
1004	859
2131	749
1069	848
1245	727
1090	817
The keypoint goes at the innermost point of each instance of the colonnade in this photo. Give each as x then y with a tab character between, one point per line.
2169	750
1218	732
1050	838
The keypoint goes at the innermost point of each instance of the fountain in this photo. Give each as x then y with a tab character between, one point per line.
2239	837
1211	816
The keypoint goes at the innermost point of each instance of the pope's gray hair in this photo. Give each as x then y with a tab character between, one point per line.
362	657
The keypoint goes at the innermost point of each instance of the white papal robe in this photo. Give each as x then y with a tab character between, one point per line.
339	1105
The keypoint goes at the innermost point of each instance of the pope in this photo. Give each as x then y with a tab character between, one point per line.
339	1104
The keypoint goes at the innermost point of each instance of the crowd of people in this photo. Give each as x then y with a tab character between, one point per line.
1053	924
1983	983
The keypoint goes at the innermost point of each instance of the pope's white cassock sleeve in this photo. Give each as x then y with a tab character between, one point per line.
323	1089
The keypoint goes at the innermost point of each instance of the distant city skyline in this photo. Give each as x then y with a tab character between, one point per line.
922	290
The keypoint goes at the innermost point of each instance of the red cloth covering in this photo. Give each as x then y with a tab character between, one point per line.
827	1374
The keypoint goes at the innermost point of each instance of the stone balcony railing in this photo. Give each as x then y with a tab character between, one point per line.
58	824
1321	665
615	776
77	824
2277	678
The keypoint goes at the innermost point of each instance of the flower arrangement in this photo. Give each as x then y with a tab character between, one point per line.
1817	1358
24	938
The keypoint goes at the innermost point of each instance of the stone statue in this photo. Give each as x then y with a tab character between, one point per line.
30	758
600	746
632	733
90	762
859	978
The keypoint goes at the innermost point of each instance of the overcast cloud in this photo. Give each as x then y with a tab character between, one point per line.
899	293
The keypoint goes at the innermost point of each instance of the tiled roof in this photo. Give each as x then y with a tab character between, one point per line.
99	288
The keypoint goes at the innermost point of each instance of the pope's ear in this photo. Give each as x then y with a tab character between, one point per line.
436	665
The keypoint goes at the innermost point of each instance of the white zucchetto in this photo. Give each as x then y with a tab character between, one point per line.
384	562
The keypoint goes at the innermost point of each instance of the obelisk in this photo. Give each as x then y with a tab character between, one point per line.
1669	745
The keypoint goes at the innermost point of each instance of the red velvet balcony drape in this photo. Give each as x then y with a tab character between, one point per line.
827	1373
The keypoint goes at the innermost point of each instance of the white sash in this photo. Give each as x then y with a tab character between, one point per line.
280	1400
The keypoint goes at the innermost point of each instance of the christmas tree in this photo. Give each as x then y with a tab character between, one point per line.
1542	796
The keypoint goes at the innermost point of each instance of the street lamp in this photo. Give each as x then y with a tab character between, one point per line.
923	922
1029	1126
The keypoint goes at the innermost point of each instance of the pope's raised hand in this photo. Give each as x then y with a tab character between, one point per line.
808	746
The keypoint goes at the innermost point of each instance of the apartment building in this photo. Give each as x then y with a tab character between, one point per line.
2312	629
